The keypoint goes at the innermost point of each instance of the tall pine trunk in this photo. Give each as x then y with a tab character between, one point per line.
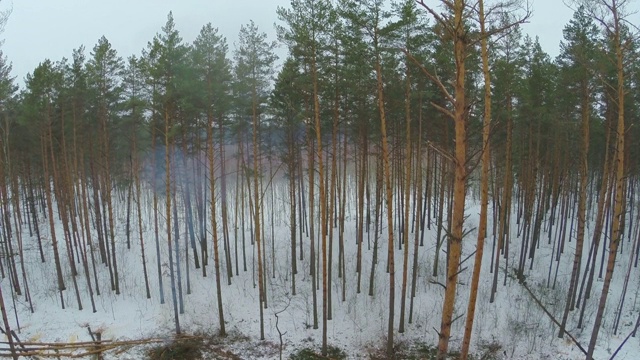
389	196
484	189
618	205
460	180
214	226
582	208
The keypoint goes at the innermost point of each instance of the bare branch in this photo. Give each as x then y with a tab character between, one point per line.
440	18
438	283
443	110
468	257
456	318
523	20
506	8
621	344
4	17
440	151
432	77
460	271
555	321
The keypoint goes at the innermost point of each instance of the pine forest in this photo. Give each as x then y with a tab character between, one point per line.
413	180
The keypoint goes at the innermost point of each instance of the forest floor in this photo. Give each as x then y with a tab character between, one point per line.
512	327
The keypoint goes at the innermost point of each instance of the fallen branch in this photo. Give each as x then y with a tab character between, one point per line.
624	342
533	296
79	349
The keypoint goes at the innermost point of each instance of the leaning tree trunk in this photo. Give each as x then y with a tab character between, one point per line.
7	328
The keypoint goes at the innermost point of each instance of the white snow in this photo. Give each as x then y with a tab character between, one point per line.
359	323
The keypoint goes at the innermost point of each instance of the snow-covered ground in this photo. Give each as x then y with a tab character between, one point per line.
358	325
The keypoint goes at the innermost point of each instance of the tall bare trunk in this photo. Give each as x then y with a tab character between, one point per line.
257	207
389	198
457	216
419	215
582	209
484	190
214	226
323	202
168	192
47	183
618	211
407	192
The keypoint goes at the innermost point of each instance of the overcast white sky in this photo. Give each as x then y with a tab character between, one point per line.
41	29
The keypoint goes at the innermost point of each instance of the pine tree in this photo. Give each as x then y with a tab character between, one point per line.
576	59
484	184
307	38
135	104
613	15
254	59
286	104
104	71
214	72
41	89
168	54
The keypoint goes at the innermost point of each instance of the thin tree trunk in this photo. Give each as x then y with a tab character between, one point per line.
341	256
377	226
256	216
7	328
419	214
360	214
214	226
389	198
155	215
168	192
107	198
292	209
407	193
582	201
52	227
